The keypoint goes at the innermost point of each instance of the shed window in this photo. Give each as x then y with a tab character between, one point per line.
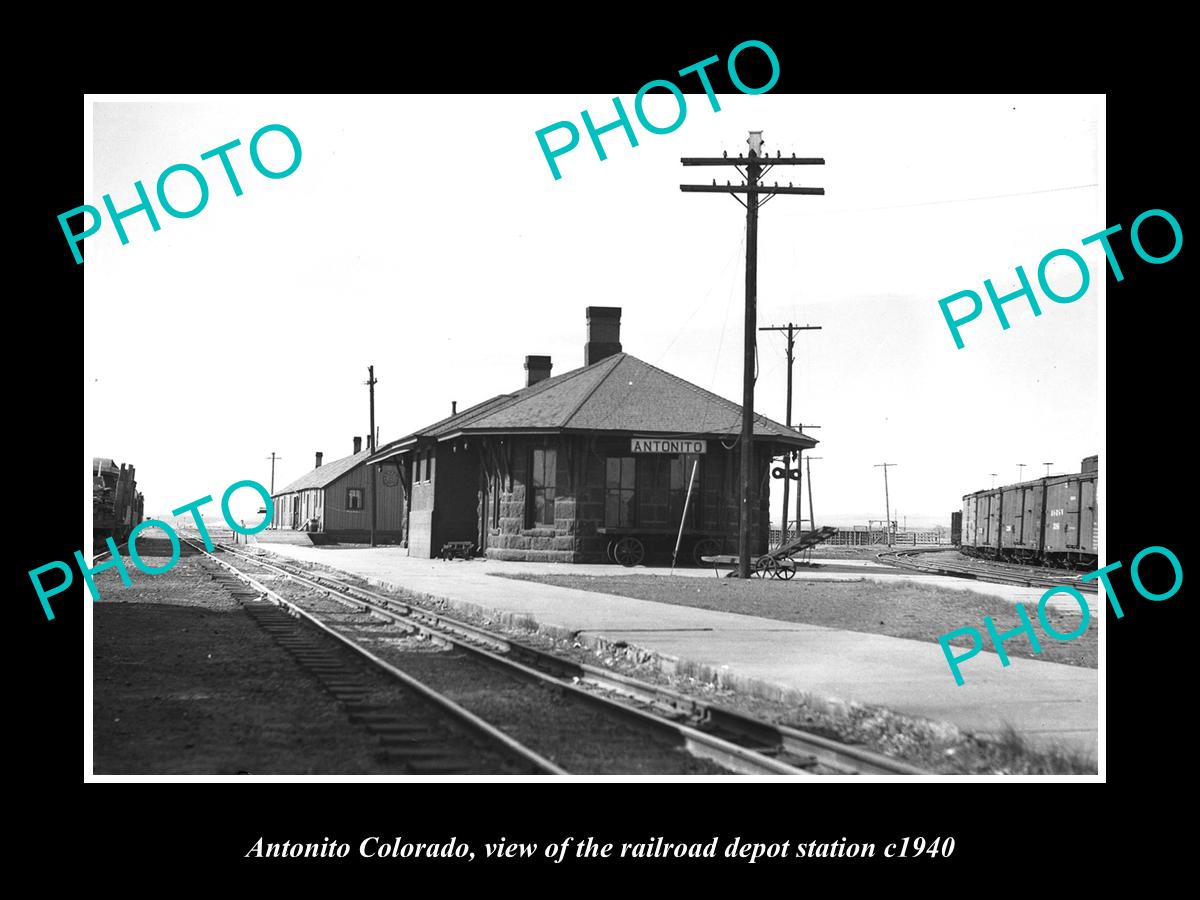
542	471
354	498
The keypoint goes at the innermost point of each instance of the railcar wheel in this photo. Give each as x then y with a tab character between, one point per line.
629	551
705	547
608	551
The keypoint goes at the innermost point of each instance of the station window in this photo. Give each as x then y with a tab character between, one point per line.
662	485
543	468
354	498
619	491
496	500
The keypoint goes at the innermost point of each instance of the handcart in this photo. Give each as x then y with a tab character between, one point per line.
779	563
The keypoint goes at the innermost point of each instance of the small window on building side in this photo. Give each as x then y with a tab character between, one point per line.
496	500
543	470
354	498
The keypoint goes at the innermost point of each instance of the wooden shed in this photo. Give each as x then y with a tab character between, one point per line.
334	500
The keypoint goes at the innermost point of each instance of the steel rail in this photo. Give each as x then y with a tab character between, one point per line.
452	709
982	571
813	749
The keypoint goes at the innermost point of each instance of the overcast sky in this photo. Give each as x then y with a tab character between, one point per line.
426	235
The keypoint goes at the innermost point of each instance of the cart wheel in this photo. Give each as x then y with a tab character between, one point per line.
766	566
705	547
629	551
787	569
608	551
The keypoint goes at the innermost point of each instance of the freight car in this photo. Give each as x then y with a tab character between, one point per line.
117	505
1050	521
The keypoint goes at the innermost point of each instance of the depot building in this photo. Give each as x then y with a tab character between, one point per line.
589	465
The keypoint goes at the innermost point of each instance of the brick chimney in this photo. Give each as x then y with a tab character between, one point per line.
604	333
319	455
357	445
537	369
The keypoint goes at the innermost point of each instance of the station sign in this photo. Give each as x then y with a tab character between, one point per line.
659	445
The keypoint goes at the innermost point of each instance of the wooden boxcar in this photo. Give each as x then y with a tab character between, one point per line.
1049	521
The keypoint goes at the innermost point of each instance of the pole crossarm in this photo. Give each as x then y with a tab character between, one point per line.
757	160
744	189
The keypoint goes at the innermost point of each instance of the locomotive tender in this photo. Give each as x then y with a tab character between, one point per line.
1050	521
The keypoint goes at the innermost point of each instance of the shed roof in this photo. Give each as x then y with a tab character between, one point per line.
619	393
324	475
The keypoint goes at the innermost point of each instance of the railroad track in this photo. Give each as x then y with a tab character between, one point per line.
733	740
983	570
99	556
426	732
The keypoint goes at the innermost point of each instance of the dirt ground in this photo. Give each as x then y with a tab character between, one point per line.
904	609
184	682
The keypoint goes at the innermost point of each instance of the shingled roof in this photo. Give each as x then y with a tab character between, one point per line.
619	393
325	475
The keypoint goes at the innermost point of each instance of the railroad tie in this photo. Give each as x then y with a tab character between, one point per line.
419	745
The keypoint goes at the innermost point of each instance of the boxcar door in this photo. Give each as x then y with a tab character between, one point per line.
1088	519
1074	512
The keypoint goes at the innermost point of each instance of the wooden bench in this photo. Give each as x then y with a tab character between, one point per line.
457	550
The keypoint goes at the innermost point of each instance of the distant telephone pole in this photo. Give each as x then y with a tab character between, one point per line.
886	500
993	474
800	457
791	330
1020	471
808	473
756	165
272	458
371	382
1047	465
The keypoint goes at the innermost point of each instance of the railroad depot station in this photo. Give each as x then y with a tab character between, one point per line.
589	465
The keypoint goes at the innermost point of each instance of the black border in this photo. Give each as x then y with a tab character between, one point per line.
1146	496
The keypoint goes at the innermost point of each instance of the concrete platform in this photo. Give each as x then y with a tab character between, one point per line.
1044	701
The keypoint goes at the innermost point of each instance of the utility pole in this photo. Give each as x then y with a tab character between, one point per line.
800	426
808	465
1020	472
887	501
791	330
993	474
272	458
371	382
1047	465
756	165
